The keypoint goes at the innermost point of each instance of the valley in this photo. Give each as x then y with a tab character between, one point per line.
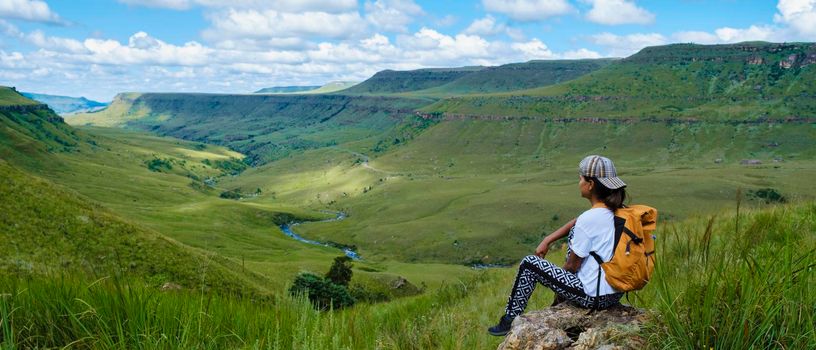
426	175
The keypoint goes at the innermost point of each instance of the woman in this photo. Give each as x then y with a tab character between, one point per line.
592	231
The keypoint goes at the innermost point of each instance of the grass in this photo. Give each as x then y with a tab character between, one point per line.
695	300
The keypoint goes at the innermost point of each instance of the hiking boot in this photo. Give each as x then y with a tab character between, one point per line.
503	327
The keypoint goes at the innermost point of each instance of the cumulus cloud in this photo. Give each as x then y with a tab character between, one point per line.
485	26
625	45
580	54
392	15
799	15
615	12
29	10
273	24
277	5
529	10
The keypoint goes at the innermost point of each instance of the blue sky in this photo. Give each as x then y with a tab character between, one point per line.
97	48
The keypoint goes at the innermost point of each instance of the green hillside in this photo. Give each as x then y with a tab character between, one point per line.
48	230
10	97
735	81
264	127
390	81
517	76
467	191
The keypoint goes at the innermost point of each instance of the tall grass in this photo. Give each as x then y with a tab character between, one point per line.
714	287
109	314
737	282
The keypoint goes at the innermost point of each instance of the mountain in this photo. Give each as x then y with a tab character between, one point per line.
518	76
322	89
736	81
390	81
286	89
66	104
264	127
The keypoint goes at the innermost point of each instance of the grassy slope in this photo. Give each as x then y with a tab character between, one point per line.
694	301
47	229
10	97
720	82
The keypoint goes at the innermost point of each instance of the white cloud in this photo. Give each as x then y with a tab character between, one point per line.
485	26
752	33
615	12
168	4
392	15
580	54
799	15
533	49
274	24
277	5
697	37
29	10
625	45
529	10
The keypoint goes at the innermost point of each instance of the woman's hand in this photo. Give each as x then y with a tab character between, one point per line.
562	232
543	248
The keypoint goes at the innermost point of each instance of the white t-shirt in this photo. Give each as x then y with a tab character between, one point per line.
594	231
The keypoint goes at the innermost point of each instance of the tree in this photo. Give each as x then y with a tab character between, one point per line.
340	271
322	293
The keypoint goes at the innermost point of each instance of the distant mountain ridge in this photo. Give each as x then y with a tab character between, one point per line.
286	89
316	89
391	81
734	81
66	104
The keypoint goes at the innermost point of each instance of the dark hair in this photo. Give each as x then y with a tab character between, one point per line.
613	199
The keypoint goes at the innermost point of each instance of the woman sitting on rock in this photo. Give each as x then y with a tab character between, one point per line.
593	231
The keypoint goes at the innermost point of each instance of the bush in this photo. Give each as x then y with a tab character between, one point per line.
322	293
769	195
340	271
231	194
159	165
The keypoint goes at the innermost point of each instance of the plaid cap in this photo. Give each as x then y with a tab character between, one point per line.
602	169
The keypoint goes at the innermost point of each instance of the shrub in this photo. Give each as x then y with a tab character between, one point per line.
159	165
340	271
769	195
231	194
322	293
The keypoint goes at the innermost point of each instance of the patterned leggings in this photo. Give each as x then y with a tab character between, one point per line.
564	283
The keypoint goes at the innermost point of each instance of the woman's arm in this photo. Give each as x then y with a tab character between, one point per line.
562	232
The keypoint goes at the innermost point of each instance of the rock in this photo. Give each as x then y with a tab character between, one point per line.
568	327
167	286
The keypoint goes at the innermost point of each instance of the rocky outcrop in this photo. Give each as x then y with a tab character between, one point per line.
568	327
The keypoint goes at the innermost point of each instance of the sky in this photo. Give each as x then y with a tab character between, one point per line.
98	48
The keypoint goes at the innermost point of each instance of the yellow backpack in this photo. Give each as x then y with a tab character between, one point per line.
633	257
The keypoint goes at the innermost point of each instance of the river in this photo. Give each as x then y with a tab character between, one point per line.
287	230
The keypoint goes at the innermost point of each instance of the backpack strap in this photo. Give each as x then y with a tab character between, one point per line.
598	283
619	223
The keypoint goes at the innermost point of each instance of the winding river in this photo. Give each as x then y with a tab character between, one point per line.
287	230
